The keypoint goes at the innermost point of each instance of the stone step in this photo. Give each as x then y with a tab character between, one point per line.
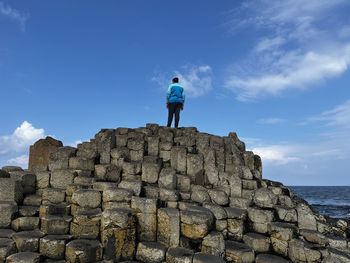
53	195
179	254
28	210
150	252
8	212
24	257
54	246
83	250
259	243
55	225
238	252
28	241
54	209
32	200
268	258
86	224
25	223
6	233
207	258
7	248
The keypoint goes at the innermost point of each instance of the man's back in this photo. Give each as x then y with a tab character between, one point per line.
176	93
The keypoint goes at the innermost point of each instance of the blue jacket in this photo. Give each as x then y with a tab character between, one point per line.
176	93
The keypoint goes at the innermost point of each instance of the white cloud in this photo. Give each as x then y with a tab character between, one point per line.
300	47
269	43
196	79
277	154
271	120
13	14
22	137
21	160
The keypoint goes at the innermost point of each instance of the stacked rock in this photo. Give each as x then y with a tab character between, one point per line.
157	194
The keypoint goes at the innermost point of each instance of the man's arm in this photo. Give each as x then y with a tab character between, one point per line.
168	94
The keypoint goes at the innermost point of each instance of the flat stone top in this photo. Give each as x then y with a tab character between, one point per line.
237	246
180	252
6	233
29	234
206	258
23	257
84	244
268	258
152	245
5	241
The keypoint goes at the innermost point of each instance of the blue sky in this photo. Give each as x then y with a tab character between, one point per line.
276	72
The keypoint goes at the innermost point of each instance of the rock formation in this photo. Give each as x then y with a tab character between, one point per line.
157	194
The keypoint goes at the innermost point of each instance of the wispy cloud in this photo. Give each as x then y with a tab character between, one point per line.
21	160
277	154
338	116
14	14
196	79
299	49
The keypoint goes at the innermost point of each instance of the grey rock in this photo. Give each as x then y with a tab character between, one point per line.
83	251
7	247
150	252
24	257
265	198
301	251
179	255
168	227
259	243
306	218
8	212
62	178
144	205
314	237
54	246
218	211
27	241
214	244
10	190
268	258
239	252
117	195
206	258
87	198
218	197
54	195
167	178
286	214
25	223
150	172
134	185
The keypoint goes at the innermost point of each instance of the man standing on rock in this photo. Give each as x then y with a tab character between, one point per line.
175	101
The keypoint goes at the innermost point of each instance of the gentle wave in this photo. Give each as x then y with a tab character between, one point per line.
333	201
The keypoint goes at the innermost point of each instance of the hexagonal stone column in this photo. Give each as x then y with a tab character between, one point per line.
118	234
28	241
54	246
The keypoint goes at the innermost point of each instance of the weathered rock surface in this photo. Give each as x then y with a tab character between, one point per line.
157	194
39	153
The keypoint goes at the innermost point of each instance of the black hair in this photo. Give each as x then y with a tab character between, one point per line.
175	80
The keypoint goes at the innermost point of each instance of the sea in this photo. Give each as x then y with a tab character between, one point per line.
333	201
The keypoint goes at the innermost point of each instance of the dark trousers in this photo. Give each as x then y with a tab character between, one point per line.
174	109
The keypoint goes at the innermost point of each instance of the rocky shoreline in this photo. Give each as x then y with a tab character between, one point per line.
157	194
